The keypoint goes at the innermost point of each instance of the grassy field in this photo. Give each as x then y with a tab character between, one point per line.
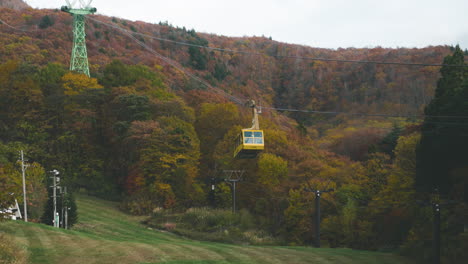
106	235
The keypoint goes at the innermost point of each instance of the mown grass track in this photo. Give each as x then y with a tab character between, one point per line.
106	235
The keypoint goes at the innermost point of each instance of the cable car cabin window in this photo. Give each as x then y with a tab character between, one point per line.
248	137
258	138
251	137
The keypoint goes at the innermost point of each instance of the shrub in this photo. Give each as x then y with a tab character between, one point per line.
212	225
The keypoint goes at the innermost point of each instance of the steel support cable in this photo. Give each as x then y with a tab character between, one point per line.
179	67
15	28
276	56
357	114
284	56
240	101
165	59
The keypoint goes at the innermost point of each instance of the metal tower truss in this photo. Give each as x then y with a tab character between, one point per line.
233	175
79	56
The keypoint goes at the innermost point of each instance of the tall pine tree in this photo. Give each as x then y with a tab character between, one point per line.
442	155
64	201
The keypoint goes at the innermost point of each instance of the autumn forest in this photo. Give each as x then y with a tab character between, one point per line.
143	132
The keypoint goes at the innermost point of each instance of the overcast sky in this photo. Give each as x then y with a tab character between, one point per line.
316	23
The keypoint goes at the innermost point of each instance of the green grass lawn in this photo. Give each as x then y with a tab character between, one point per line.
106	235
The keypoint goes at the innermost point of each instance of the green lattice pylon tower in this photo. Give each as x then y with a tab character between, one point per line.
79	55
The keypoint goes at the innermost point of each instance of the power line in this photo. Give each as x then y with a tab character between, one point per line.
282	56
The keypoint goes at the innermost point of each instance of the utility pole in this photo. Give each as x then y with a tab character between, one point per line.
54	190
436	226
233	176
66	207
436	203
211	195
62	213
55	199
23	171
436	232
317	212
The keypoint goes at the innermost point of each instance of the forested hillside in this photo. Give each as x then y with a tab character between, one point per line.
289	80
14	4
151	136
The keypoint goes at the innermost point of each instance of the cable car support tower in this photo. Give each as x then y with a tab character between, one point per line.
79	56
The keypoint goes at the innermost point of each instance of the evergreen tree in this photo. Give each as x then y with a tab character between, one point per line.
46	22
443	149
63	201
197	58
388	143
70	203
220	71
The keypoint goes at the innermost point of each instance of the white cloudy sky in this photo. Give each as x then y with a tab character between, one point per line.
317	23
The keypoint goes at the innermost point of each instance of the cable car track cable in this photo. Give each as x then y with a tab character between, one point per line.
180	68
282	56
15	28
240	101
358	114
265	54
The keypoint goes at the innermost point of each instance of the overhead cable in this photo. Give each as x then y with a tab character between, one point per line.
177	65
360	114
241	101
271	55
15	28
284	56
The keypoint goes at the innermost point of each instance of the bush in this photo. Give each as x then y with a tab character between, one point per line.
208	220
212	225
138	204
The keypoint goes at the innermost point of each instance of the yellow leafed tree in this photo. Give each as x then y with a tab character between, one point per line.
75	84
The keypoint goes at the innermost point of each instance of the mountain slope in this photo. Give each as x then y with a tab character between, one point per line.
280	74
105	235
14	4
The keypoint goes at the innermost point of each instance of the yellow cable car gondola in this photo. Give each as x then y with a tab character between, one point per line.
250	141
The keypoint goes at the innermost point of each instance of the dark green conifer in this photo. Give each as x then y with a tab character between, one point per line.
46	22
443	150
